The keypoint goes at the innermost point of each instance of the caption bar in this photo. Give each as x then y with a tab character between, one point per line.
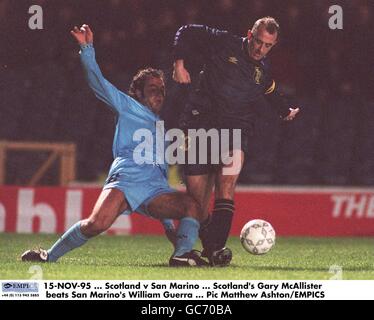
186	290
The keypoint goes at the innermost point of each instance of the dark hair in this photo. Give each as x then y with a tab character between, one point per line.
270	25
138	82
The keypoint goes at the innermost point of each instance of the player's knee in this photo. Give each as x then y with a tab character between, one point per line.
226	189
93	227
193	210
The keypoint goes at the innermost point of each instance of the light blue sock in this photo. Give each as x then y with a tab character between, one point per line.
187	234
168	224
71	239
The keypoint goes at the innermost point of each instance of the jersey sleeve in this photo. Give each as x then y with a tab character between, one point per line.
103	89
279	101
193	39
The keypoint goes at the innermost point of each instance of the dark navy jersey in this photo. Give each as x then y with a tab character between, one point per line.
231	83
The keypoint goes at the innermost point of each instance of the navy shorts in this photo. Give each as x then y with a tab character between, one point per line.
199	114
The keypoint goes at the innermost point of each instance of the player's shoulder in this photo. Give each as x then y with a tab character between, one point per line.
228	35
130	100
230	39
137	109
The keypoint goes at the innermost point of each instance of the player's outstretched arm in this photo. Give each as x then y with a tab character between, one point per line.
102	88
190	40
281	103
84	35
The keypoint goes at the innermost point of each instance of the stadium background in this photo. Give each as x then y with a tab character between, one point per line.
44	97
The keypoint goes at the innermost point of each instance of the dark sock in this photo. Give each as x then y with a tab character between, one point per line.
220	224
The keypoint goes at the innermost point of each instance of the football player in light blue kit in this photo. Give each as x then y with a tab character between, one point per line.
131	186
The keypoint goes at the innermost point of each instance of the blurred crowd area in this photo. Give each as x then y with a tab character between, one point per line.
44	97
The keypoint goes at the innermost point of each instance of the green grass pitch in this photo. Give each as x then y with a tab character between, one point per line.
146	257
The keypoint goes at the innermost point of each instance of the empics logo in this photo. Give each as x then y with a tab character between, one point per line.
20	287
7	286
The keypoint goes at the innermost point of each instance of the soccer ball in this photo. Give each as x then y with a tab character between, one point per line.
257	236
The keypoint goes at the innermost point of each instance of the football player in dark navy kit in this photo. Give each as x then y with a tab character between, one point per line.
234	77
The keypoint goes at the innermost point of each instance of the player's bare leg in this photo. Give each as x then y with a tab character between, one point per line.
200	187
109	205
220	224
181	206
174	205
227	177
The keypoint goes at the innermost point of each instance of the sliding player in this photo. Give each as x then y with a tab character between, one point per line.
130	186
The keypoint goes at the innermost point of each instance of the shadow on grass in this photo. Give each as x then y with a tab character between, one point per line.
158	265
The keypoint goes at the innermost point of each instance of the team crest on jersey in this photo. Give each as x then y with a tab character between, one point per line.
257	75
233	60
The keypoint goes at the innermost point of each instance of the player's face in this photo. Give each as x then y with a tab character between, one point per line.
261	43
153	94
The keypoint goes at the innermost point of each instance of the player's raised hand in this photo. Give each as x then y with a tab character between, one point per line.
180	74
83	35
292	114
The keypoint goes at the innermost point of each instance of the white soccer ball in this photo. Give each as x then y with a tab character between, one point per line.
257	236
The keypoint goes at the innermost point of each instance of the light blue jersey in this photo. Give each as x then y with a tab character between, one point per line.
139	182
